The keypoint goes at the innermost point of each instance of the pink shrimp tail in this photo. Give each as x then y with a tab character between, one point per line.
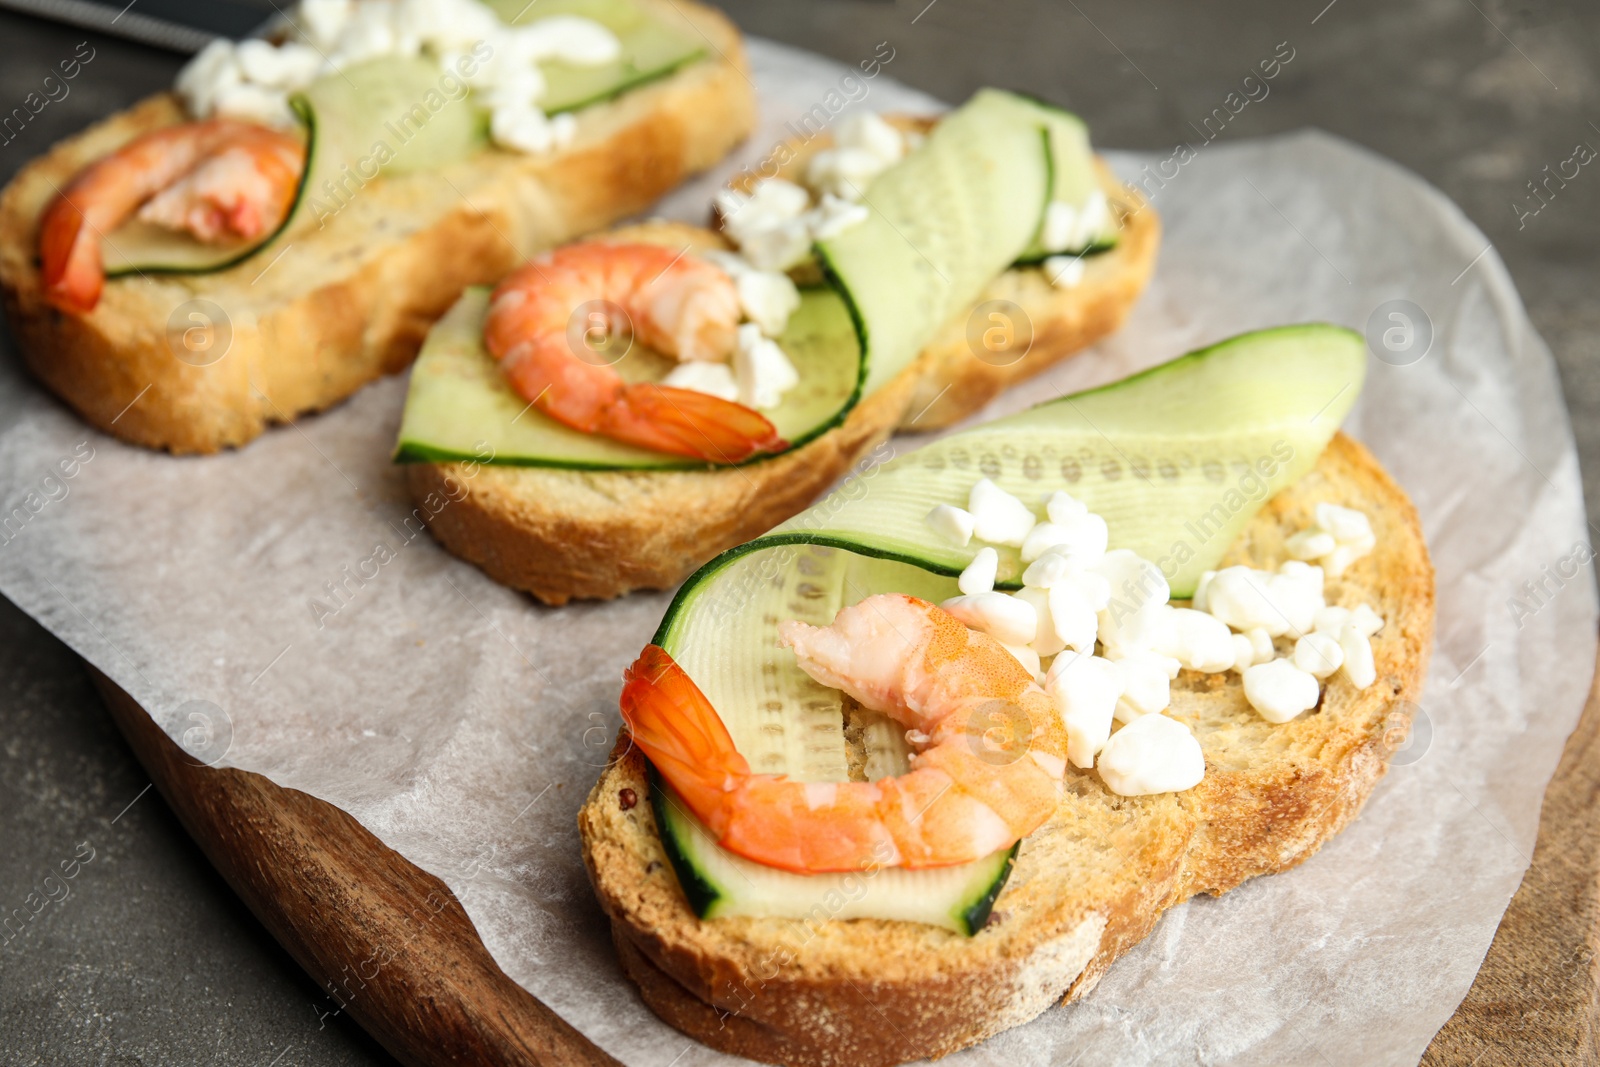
689	423
679	730
69	266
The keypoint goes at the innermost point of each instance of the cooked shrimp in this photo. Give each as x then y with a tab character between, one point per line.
677	304
220	180
989	747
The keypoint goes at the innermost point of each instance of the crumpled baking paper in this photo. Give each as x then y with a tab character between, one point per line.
274	609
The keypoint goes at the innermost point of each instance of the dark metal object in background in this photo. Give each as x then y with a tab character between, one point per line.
176	25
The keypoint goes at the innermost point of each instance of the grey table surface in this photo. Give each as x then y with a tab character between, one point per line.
152	960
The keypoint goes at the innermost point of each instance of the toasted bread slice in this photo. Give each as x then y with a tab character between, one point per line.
352	302
1087	885
560	534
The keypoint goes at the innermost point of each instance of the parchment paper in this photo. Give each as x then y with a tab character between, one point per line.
463	724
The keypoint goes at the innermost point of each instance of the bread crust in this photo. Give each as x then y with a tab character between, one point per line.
354	303
1087	886
562	534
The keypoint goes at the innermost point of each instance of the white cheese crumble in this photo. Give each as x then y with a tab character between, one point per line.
1340	537
1330	620
1279	603
1003	617
1146	684
254	79
762	370
1310	544
1261	646
1085	690
1049	569
843	172
997	516
1060	226
1366	620
1318	654
951	523
1062	508
1073	228
767	299
1081	537
758	377
1025	655
775	224
980	573
1358	666
1046	637
1073	614
1133	619
1152	754
1244	653
1068	599
769	202
1279	690
1064	272
832	216
864	147
777	221
527	129
704	377
1198	641
870	132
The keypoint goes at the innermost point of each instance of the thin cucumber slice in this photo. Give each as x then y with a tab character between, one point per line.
948	218
395	103
651	49
783	722
1073	178
460	405
138	247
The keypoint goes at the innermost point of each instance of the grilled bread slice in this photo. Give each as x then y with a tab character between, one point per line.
561	534
1087	885
352	301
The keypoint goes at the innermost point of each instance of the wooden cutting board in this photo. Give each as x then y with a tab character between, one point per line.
392	945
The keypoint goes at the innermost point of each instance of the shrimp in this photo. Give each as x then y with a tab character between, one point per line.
679	305
219	180
989	747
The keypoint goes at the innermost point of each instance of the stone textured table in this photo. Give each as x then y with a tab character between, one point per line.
151	959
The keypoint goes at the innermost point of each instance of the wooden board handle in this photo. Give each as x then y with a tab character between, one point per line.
383	938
